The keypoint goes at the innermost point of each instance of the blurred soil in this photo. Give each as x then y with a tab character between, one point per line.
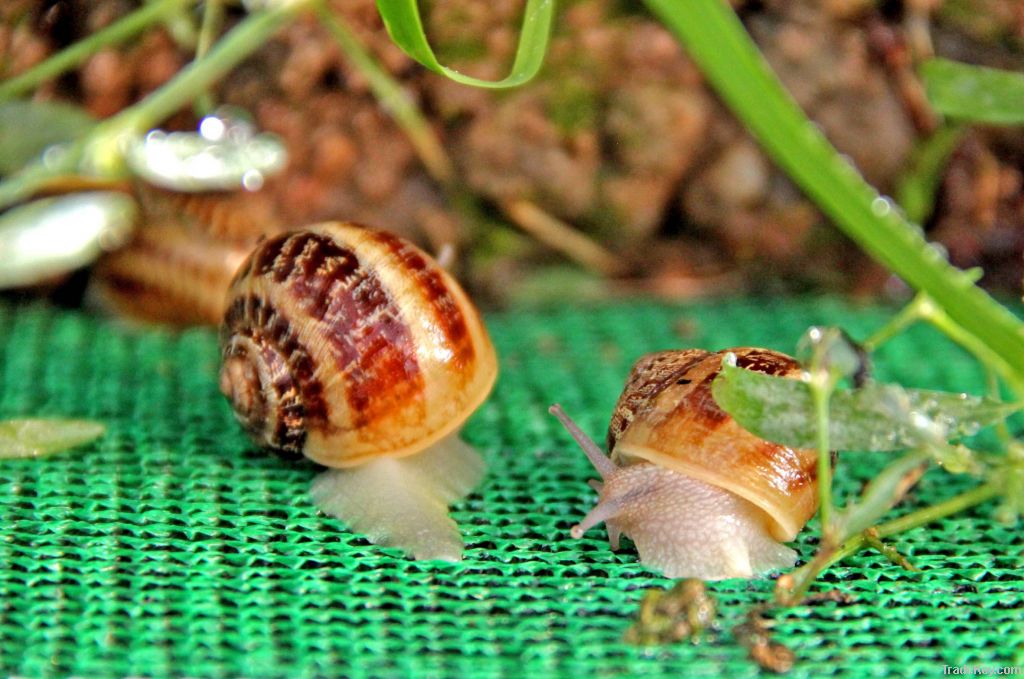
619	137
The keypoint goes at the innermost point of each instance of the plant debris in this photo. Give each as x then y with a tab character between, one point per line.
754	634
685	611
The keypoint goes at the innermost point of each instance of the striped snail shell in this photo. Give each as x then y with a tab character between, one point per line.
353	347
168	273
699	495
179	263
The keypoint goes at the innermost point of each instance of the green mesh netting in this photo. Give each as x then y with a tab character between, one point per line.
172	547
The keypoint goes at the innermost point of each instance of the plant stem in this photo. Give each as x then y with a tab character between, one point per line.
233	47
820	393
953	505
975	345
99	152
71	56
213	20
800	580
392	97
907	316
562	237
716	39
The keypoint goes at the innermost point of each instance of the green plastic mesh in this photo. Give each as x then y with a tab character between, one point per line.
171	547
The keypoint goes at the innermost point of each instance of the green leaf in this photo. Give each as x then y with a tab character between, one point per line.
974	93
39	437
402	19
27	128
874	417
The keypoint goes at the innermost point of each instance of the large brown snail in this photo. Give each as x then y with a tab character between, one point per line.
699	495
354	348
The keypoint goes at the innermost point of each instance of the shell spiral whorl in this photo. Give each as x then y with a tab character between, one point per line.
347	343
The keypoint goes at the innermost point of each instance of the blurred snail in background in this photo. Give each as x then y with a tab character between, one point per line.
699	495
178	266
354	348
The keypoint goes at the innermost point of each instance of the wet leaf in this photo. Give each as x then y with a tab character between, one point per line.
39	437
974	93
54	236
225	154
27	128
874	417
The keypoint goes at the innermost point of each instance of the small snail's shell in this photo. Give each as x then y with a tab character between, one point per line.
699	495
241	217
667	416
168	273
348	344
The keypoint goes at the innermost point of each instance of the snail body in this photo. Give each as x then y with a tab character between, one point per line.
354	348
699	495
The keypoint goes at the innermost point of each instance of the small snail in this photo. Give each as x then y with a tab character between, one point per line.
168	273
699	495
179	264
354	348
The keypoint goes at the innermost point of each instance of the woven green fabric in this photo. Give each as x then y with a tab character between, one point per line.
172	547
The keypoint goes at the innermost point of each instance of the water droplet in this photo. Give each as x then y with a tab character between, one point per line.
881	206
53	155
252	180
212	128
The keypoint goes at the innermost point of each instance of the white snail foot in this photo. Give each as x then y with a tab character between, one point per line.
403	502
686	528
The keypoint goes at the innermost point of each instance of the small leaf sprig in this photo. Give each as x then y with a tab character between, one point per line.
817	412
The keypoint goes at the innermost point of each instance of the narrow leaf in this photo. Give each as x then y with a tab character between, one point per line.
39	437
974	93
402	19
27	128
918	187
874	417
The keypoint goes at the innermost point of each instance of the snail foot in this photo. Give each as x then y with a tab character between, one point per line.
403	502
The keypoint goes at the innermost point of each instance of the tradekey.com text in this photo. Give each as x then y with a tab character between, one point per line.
987	670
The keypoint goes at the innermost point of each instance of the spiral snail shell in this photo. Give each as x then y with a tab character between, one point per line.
699	495
354	348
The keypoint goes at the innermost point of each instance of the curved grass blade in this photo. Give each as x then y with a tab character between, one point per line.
874	417
39	437
974	93
402	19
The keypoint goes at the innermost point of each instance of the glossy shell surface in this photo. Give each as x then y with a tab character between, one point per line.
345	343
169	273
667	416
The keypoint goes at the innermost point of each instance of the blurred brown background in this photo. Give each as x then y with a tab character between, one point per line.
619	139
